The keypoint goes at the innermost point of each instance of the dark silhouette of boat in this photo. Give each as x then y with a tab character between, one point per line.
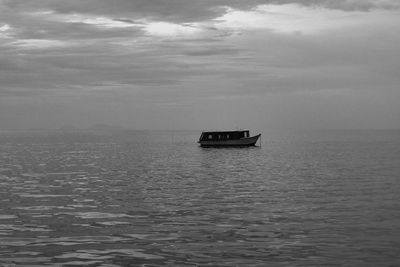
228	139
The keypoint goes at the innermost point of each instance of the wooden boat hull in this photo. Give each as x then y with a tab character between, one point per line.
246	141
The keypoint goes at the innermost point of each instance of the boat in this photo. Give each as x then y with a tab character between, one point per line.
228	139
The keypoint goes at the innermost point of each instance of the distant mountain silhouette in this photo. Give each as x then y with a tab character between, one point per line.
69	128
106	129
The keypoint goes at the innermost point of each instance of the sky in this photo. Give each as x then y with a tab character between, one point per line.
200	64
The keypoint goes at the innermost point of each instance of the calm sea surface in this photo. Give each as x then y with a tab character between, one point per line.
157	199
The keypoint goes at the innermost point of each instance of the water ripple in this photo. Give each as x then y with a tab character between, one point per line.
142	200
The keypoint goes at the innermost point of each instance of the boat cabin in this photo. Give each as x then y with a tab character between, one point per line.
221	136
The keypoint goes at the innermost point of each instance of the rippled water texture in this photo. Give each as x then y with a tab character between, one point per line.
157	199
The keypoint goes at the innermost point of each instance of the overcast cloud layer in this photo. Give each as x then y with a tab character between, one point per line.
163	64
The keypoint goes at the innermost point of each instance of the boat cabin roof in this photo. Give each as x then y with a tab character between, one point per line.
226	132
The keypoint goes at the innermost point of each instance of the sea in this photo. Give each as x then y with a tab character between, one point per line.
155	198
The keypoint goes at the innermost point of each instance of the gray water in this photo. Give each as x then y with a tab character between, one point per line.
157	199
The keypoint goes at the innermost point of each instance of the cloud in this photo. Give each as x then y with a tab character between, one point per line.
5	30
295	18
176	53
171	10
170	29
352	5
258	46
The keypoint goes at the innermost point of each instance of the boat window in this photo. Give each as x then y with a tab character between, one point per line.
227	136
209	136
219	136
